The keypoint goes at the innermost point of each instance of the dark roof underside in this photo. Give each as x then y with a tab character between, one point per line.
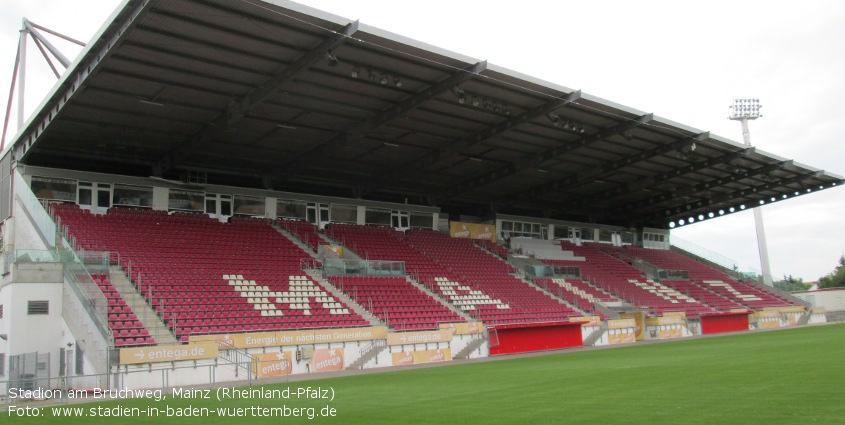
245	94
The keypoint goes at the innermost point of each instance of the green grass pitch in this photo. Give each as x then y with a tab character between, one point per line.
794	376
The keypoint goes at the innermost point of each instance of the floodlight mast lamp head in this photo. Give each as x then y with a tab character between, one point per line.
744	110
748	109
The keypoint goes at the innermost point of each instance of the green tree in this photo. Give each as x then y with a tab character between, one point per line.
836	278
791	284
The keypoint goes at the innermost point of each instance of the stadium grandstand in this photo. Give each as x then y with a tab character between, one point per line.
213	187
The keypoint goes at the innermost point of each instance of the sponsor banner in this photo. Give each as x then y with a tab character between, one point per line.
168	353
639	319
286	338
327	360
423	356
791	320
682	315
460	229
403	359
768	314
337	249
790	309
621	324
272	364
621	338
769	323
669	333
665	320
422	337
819	310
469	328
591	320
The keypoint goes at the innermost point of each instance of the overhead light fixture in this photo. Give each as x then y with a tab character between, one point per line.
331	59
150	102
475	101
540	170
392	145
745	109
355	72
460	94
554	118
286	126
397	82
472	158
383	79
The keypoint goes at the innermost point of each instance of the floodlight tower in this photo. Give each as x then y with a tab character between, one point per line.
744	110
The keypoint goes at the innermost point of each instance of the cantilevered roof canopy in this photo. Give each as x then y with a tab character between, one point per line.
277	95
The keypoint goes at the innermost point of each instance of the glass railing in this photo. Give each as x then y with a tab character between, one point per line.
34	256
713	257
77	274
551	272
74	269
341	267
38	215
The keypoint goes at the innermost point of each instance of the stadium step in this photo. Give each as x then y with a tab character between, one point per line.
596	335
357	308
369	352
551	295
440	299
141	308
298	242
475	344
348	253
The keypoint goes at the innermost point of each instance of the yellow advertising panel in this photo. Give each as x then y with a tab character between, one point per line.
819	310
789	309
273	364
769	323
327	360
791	320
460	229
422	337
682	315
337	249
591	320
285	338
665	320
670	333
768	314
621	338
168	353
621	324
423	356
639	320
470	328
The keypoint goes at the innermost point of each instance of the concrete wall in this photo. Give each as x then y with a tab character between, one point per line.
831	299
32	333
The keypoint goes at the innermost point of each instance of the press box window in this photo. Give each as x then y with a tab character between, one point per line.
34	308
